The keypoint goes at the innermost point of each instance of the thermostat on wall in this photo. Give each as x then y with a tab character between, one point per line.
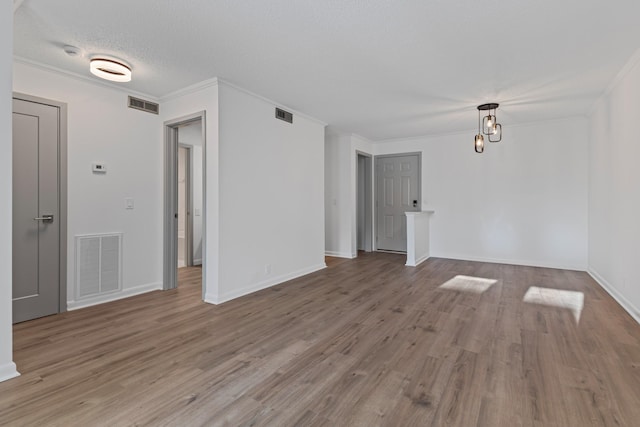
99	167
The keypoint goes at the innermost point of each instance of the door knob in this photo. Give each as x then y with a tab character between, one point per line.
44	218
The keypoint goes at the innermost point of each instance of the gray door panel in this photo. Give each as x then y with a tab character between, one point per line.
35	257
397	183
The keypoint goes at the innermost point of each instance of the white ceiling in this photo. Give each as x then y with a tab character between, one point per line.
379	68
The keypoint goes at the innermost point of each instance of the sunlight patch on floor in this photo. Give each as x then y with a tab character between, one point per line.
558	298
477	285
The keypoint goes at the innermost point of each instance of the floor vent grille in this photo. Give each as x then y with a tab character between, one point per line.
98	264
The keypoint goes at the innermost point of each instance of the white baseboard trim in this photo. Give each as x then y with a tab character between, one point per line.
340	254
101	299
197	262
512	262
418	261
616	295
8	371
237	293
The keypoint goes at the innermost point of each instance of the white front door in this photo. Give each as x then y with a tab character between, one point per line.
397	192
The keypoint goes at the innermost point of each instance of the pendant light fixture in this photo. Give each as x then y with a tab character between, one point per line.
487	125
111	69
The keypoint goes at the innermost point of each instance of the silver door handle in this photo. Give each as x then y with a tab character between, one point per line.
44	218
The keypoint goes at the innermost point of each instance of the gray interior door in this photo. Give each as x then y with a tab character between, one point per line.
36	213
397	192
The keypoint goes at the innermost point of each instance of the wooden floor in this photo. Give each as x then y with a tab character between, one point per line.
365	342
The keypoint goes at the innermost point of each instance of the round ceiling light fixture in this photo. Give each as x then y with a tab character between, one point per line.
110	69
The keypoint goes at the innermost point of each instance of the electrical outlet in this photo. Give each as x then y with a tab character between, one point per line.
128	203
267	269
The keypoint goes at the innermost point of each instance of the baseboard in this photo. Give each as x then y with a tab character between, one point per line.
237	293
197	262
419	261
527	263
620	299
340	254
8	371
114	296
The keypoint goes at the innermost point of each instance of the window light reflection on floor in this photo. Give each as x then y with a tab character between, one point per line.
476	285
558	298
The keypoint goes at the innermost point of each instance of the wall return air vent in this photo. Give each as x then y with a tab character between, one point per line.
142	105
284	115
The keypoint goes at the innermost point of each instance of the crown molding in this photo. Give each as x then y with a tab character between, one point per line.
270	101
86	79
633	61
17	4
190	89
472	131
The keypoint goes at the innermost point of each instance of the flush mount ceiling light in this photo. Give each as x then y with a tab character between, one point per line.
110	69
487	125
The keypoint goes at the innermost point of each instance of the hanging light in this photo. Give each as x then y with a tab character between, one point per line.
487	125
479	141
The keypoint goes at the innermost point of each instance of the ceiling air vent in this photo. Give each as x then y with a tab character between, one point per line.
284	115
141	104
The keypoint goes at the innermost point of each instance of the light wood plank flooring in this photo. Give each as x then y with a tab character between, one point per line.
365	342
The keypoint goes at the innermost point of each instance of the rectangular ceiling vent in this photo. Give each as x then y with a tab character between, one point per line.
142	105
284	115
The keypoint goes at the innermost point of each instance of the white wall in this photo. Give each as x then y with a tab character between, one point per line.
191	135
102	128
614	189
341	156
337	194
191	101
271	194
7	367
524	201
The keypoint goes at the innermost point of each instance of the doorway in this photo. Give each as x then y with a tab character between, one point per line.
39	244
184	195
397	191
364	205
185	224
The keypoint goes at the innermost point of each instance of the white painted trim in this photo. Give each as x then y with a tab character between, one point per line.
190	89
114	296
628	67
212	299
616	295
418	261
197	261
340	254
8	371
272	102
87	79
509	262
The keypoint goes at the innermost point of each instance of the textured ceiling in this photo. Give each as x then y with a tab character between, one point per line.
381	69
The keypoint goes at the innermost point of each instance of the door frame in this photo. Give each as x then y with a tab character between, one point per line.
368	188
375	186
170	222
62	195
188	200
